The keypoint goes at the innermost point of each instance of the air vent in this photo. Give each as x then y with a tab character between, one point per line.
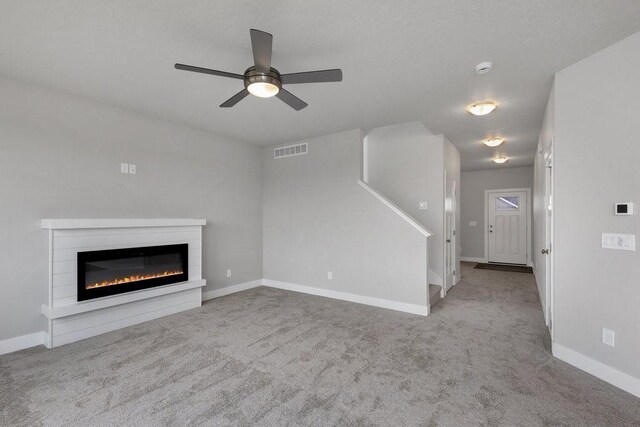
290	150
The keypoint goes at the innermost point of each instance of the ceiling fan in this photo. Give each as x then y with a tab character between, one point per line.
264	81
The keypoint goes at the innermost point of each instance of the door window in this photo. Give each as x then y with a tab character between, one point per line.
508	203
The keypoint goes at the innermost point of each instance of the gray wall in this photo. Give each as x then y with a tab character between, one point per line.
60	158
472	188
406	164
596	155
318	219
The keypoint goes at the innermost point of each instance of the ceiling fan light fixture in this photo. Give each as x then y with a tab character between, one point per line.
482	108
500	160
263	89
494	141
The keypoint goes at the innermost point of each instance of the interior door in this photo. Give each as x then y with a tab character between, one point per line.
549	242
450	234
507	227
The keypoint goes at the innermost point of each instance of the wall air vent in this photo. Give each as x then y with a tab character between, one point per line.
290	150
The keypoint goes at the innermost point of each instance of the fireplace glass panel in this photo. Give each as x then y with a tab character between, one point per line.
109	272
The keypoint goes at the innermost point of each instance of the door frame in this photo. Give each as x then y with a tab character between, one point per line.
486	220
549	236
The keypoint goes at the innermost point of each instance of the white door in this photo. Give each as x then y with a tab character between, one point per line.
549	242
450	234
507	227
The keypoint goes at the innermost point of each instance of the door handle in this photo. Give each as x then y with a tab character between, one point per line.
448	240
545	252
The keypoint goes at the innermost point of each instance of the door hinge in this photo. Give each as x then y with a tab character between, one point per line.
454	232
454	272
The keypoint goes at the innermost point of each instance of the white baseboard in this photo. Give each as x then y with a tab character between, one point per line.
20	343
359	299
472	259
217	293
598	369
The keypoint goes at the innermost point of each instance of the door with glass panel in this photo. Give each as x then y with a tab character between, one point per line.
507	228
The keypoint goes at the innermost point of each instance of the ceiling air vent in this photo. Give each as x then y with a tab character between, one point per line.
290	150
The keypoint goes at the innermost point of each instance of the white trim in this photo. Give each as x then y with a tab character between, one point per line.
529	219
402	214
20	343
473	259
66	224
598	369
358	299
217	293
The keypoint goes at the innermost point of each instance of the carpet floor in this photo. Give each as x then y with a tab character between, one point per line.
272	357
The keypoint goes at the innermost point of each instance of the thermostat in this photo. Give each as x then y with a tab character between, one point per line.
624	208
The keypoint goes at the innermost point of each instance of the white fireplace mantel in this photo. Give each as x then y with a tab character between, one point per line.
71	320
69	224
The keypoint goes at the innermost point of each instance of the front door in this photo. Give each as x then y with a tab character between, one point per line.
507	227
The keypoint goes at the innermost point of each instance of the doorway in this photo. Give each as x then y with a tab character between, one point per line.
507	226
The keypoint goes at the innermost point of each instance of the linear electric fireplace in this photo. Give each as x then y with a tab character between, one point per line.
116	271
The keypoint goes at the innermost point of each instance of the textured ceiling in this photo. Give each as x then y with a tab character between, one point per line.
402	61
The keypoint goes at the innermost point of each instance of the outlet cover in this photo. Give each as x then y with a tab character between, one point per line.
124	168
229	273
624	242
608	337
423	206
132	169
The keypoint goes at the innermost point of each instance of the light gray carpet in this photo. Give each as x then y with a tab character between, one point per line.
272	357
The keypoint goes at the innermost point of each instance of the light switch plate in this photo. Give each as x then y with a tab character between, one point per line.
229	273
329	275
124	168
623	242
608	337
473	223
423	206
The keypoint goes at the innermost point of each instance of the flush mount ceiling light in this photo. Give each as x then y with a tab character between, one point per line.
494	141
482	108
500	160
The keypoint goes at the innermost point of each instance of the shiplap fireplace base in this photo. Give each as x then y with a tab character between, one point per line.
69	320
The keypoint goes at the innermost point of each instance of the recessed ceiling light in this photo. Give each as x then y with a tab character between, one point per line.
483	67
493	141
482	108
500	160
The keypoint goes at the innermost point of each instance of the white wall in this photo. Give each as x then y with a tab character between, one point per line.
60	158
318	219
406	164
596	163
474	183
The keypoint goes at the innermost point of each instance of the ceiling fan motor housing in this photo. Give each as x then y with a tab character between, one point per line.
252	75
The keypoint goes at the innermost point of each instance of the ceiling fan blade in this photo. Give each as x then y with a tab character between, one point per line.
321	76
208	71
235	99
261	43
291	100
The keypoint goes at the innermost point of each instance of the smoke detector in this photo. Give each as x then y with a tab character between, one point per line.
483	67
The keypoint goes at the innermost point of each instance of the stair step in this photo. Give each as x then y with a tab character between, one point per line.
434	294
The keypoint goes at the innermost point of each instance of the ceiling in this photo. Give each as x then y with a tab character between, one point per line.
402	61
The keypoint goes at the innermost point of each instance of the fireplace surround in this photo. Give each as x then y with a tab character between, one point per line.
108	249
115	271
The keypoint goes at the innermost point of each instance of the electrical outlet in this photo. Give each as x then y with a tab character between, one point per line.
229	273
329	275
423	206
132	169
608	337
124	168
